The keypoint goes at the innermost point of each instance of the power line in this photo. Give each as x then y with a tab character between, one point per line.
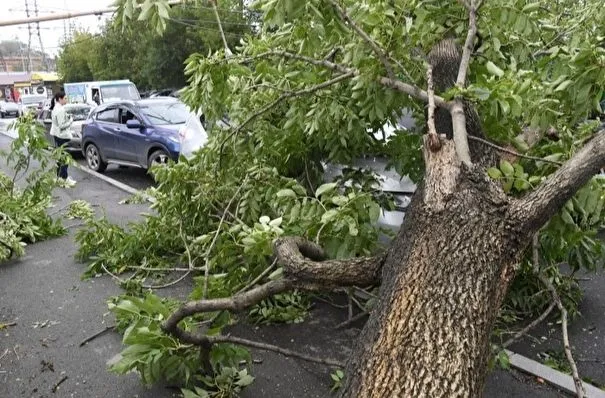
68	15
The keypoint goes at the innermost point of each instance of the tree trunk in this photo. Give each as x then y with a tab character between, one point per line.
443	282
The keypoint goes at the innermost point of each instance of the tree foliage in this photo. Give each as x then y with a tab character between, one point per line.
309	89
149	58
26	195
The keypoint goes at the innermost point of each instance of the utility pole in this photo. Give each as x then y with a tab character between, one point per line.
3	60
44	63
29	43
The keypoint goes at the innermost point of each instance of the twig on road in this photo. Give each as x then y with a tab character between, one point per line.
56	386
5	325
94	336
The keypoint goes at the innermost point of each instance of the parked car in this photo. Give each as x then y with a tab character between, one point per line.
78	112
31	103
8	108
140	133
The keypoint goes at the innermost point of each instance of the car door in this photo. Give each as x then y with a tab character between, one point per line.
107	128
131	142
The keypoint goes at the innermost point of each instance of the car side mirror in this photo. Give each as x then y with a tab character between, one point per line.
133	124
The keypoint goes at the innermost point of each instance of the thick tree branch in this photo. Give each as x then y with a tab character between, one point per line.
395	84
460	133
380	53
539	205
303	269
468	44
297	255
457	108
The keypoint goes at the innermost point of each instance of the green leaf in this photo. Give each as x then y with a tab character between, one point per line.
563	85
493	69
325	188
567	217
494	173
286	193
507	168
329	216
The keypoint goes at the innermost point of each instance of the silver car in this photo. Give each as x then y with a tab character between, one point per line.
78	113
8	109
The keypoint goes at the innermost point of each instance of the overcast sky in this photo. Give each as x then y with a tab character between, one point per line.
51	32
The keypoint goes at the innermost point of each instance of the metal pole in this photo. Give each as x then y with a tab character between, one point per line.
68	15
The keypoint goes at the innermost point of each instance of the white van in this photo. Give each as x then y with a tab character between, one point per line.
99	92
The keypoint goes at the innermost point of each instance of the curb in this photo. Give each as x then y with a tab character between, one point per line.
110	181
553	377
115	183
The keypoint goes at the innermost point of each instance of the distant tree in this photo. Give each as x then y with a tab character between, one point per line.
77	57
150	59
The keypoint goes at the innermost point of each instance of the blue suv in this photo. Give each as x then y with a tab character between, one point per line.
140	133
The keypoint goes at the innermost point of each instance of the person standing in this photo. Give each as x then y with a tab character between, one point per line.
61	132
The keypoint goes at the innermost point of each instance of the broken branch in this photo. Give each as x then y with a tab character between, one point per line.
540	204
380	53
511	152
395	84
218	230
94	336
468	44
56	386
274	348
529	327
460	133
303	269
580	391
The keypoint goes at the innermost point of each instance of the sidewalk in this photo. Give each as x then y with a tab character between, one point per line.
55	311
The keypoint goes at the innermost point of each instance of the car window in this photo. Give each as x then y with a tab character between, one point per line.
126	115
165	113
78	113
45	115
108	115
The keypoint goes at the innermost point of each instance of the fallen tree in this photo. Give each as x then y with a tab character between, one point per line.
445	276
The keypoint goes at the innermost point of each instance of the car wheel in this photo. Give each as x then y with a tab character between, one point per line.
93	158
2	115
158	157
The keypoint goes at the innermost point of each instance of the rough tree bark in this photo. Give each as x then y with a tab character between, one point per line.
447	272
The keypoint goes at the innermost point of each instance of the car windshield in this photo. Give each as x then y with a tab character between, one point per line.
119	91
78	112
164	113
32	100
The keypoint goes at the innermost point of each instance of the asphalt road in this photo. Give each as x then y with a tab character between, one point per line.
132	176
